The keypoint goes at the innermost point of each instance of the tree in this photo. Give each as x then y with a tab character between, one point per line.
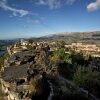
30	41
58	55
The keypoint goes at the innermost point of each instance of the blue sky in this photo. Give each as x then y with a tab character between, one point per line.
35	18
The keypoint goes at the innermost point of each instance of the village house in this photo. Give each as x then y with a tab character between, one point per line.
84	48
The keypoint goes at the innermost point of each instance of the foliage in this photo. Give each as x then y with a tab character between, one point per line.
2	58
57	55
79	59
1	62
30	41
87	79
60	44
68	59
60	55
66	70
41	59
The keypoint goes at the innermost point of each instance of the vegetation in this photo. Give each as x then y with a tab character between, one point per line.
76	67
88	79
1	62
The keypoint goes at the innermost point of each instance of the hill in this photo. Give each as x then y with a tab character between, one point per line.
69	37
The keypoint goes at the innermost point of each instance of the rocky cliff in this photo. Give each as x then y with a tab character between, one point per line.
33	74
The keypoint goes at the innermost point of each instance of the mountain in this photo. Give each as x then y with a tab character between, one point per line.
87	37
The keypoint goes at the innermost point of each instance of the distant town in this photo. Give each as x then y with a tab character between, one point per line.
86	49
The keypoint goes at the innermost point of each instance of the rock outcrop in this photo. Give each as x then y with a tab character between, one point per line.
32	73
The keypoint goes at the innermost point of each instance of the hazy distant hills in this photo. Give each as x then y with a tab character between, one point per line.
77	35
4	43
87	37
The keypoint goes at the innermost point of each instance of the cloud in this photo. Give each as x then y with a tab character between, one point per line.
33	21
15	12
36	21
70	2
94	5
54	4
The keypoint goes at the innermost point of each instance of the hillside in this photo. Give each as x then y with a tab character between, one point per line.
85	37
49	71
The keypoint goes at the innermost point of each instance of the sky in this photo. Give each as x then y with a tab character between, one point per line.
36	18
